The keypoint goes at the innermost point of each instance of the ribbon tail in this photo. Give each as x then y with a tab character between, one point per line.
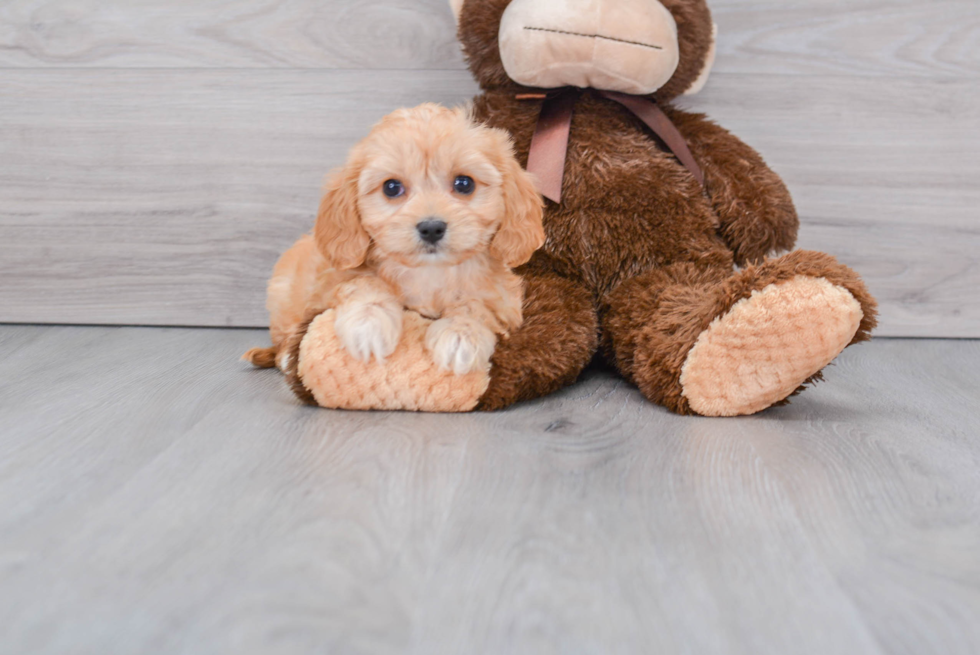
549	146
655	118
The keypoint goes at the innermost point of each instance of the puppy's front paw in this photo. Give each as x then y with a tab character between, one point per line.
368	329
460	345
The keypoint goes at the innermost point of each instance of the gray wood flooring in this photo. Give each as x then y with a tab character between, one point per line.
156	157
157	496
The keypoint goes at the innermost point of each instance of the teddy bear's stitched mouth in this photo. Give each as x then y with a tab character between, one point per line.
594	36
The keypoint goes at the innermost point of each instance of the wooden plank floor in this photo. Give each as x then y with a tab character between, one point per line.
157	496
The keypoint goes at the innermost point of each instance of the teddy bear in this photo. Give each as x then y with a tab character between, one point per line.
663	230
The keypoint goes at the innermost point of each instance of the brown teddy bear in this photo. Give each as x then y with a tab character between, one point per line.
650	211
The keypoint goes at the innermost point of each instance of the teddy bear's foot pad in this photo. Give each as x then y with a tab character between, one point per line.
767	345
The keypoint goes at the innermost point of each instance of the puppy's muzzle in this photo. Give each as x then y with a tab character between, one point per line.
431	231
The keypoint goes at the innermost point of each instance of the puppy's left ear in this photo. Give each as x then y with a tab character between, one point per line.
521	231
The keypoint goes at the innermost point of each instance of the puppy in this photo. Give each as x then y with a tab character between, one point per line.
430	213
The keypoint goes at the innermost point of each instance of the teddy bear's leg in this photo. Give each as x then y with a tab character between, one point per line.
556	341
701	341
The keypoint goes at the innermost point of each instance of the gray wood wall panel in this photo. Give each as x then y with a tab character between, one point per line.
886	175
229	34
862	37
156	157
148	198
867	37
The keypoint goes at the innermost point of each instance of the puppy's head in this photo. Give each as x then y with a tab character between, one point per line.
427	186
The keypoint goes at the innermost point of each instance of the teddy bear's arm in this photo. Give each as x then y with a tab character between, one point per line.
753	205
554	343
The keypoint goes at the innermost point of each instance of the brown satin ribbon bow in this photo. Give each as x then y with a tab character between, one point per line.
549	146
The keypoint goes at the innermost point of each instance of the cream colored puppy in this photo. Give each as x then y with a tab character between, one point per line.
430	213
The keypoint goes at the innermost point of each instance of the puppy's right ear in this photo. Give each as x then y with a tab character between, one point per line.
338	232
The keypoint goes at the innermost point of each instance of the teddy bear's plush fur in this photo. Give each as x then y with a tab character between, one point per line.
675	283
639	257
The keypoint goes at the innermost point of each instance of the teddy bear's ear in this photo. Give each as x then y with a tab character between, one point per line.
457	7
709	61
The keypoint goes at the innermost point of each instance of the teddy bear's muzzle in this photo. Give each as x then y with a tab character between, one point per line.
628	46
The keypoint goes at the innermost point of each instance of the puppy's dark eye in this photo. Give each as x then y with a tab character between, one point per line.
464	185
393	188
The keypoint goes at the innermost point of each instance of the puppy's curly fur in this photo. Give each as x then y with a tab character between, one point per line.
368	257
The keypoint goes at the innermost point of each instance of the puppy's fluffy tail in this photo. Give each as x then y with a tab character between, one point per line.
261	357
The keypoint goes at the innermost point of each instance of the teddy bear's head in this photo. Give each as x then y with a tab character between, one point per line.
659	48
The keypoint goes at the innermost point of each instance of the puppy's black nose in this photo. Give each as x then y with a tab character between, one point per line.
432	231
